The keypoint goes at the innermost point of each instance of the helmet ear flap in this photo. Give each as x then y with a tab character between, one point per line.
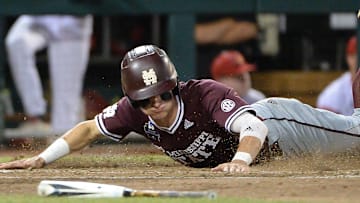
133	103
176	90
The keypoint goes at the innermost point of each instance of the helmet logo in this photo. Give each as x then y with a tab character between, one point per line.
149	77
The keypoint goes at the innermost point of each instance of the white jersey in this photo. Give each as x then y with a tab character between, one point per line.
337	96
253	96
300	129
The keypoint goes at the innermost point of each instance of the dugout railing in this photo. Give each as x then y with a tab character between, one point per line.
180	23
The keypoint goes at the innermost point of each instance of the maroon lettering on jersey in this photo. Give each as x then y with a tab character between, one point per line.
200	135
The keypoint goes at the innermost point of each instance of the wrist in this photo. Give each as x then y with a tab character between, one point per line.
243	156
56	150
39	162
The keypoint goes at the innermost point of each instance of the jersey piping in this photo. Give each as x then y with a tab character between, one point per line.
178	119
236	114
101	126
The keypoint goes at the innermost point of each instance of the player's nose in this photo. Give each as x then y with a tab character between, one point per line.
155	101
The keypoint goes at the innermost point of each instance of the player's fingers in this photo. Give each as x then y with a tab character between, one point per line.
10	165
238	169
20	164
245	169
2	166
221	168
231	168
218	168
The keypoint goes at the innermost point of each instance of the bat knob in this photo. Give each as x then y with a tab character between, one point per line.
212	195
45	189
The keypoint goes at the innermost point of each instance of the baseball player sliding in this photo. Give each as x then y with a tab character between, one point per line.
202	123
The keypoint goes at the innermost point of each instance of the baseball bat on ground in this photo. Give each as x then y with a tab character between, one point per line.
98	190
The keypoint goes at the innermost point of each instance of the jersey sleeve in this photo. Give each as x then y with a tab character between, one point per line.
222	102
118	120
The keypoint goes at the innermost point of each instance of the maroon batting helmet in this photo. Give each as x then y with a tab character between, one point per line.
147	71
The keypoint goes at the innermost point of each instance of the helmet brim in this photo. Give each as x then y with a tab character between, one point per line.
152	90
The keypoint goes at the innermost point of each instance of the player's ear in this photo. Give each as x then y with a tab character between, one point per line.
176	90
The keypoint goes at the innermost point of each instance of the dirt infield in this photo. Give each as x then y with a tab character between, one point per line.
311	179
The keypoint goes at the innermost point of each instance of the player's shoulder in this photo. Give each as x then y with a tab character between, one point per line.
203	85
205	90
124	107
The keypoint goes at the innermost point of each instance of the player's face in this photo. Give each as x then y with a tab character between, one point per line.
160	107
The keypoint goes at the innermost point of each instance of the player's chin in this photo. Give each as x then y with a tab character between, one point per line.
158	115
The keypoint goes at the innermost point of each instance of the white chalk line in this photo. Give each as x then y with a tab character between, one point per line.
89	177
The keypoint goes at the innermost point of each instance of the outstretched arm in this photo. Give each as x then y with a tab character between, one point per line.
252	136
356	89
76	138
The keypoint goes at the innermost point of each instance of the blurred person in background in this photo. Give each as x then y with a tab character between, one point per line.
222	32
67	39
338	96
231	69
226	30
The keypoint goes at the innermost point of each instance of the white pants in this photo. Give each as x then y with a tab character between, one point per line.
67	58
301	129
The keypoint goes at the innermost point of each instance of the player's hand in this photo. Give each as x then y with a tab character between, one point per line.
30	163
236	166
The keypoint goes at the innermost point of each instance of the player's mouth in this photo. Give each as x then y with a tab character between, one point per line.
158	109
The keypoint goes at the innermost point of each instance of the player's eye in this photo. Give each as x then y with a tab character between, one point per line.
166	96
145	103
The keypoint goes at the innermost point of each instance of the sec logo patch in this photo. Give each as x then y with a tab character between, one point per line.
227	105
